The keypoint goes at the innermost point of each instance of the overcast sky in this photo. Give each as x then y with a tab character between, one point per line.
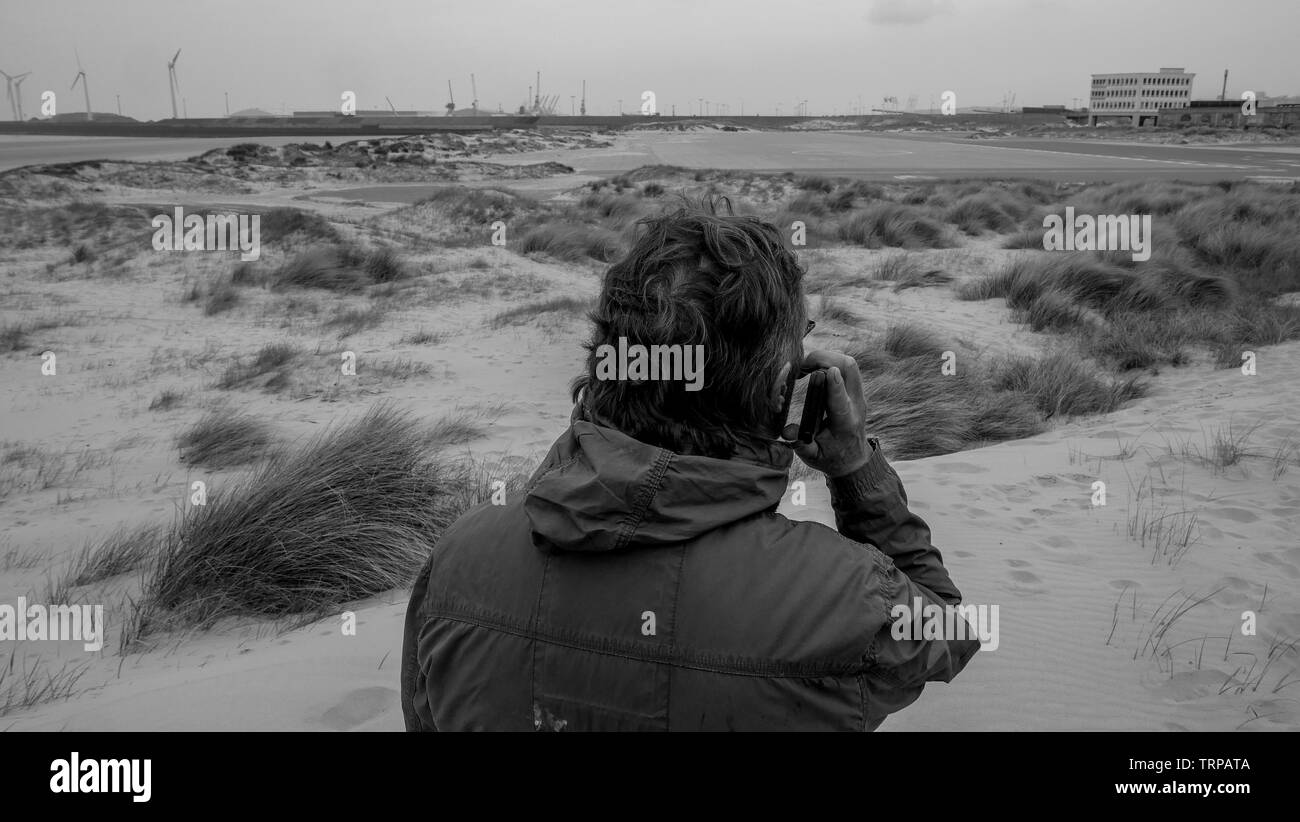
764	53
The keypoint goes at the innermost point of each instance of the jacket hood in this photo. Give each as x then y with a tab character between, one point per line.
601	490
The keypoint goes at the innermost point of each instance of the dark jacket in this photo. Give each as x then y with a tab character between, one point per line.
633	588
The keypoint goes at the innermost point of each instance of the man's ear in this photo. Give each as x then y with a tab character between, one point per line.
778	398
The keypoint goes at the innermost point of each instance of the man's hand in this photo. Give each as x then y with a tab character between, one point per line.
841	447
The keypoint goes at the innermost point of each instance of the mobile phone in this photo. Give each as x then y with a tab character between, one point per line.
814	406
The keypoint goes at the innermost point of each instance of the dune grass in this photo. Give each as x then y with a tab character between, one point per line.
918	410
1145	314
572	242
523	313
126	549
166	400
880	224
347	321
905	271
223	439
339	267
16	336
269	367
352	513
278	225
34	681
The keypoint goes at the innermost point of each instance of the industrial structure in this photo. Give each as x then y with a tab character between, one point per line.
1138	95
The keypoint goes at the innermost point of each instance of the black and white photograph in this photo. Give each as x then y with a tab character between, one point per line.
598	365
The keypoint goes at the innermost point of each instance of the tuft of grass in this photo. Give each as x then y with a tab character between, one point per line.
223	439
424	337
14	336
245	273
830	309
272	359
904	341
479	206
350	514
349	321
572	242
1026	238
1053	311
818	184
918	412
35	682
977	213
906	272
125	549
892	224
167	400
221	297
1061	385
21	560
523	313
279	224
383	265
334	268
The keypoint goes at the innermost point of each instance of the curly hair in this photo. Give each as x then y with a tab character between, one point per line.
697	277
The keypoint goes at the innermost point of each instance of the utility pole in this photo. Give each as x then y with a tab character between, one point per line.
119	104
1224	95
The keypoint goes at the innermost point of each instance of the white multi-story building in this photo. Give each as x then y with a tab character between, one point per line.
1138	95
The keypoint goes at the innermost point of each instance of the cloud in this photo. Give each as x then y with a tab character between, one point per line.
906	12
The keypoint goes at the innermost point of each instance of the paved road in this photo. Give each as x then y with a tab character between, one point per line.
852	154
25	150
890	157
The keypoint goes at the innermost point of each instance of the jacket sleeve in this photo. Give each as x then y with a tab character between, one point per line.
871	506
415	700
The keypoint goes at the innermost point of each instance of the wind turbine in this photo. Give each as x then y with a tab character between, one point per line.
474	87
81	77
18	92
171	80
9	92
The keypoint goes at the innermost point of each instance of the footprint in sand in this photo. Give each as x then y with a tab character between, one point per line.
962	554
1236	514
1279	561
360	706
1058	541
1025	582
1026	521
1017	563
